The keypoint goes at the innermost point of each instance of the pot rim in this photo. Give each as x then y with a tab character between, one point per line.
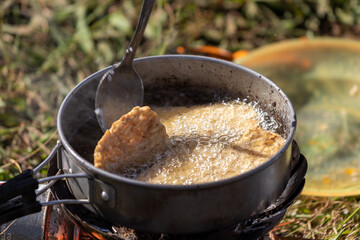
90	169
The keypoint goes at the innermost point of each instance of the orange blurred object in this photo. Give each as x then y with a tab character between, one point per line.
210	51
240	54
213	51
303	38
180	50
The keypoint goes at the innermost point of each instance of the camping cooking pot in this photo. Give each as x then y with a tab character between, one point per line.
176	209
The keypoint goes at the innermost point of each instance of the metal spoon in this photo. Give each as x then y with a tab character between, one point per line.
121	88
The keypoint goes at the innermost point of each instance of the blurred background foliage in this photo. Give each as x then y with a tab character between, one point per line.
48	46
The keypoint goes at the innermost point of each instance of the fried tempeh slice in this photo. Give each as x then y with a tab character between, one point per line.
131	141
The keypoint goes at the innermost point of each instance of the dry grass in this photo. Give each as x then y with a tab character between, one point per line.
322	218
47	47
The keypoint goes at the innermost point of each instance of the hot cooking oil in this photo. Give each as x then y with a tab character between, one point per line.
211	142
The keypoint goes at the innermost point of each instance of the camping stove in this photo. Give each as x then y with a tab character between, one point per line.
77	223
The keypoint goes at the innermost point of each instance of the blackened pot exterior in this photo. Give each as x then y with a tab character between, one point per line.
176	209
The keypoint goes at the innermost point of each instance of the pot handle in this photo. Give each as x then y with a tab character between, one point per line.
18	195
24	183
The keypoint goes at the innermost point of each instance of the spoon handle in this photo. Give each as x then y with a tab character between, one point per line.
139	31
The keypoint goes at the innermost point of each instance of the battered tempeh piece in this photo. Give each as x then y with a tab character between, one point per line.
131	141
